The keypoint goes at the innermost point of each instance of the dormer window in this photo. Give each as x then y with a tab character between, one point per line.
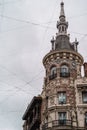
53	72
64	71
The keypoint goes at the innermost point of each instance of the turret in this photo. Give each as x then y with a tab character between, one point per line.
63	67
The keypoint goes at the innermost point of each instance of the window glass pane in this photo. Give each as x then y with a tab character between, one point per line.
86	119
62	118
53	70
84	97
62	97
64	71
64	68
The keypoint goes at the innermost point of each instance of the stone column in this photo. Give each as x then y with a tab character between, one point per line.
85	69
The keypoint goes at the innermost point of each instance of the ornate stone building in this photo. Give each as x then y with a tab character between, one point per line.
32	115
64	95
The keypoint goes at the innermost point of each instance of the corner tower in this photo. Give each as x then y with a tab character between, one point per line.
63	66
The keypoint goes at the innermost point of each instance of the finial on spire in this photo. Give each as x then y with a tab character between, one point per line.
53	41
62	9
62	2
76	44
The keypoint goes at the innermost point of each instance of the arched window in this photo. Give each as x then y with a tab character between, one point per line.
53	72
62	28
59	29
64	71
86	119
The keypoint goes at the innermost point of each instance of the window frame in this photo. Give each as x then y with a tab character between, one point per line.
84	96
62	117
64	71
53	72
85	119
62	97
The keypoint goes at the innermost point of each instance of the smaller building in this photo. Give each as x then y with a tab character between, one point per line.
32	115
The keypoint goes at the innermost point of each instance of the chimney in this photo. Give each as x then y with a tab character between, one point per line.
85	69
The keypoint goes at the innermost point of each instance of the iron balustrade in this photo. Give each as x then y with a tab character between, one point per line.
64	74
62	123
34	121
57	123
52	76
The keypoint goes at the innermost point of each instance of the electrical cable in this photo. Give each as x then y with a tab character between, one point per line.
14	74
9	2
24	21
33	23
68	18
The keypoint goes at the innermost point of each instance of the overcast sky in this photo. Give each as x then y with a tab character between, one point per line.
26	28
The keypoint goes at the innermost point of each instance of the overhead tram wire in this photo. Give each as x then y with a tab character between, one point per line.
68	18
14	87
50	22
83	37
43	25
17	89
24	21
14	74
34	24
9	2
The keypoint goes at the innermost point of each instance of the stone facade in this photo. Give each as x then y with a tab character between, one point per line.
32	115
64	87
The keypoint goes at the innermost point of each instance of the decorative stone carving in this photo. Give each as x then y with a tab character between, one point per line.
78	71
81	111
64	81
51	100
84	80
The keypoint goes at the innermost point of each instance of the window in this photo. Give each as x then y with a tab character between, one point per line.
84	97
53	70
86	119
62	118
64	71
62	97
63	28
53	73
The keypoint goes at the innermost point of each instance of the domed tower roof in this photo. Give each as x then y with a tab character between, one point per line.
62	40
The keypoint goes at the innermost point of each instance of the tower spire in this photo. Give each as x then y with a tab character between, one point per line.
62	13
62	25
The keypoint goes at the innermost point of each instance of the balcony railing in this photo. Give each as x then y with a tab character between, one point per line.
35	120
62	123
53	76
57	123
64	74
85	122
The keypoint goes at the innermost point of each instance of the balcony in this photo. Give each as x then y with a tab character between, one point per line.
53	76
60	124
35	122
64	74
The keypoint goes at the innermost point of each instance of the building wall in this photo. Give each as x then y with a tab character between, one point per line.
80	86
